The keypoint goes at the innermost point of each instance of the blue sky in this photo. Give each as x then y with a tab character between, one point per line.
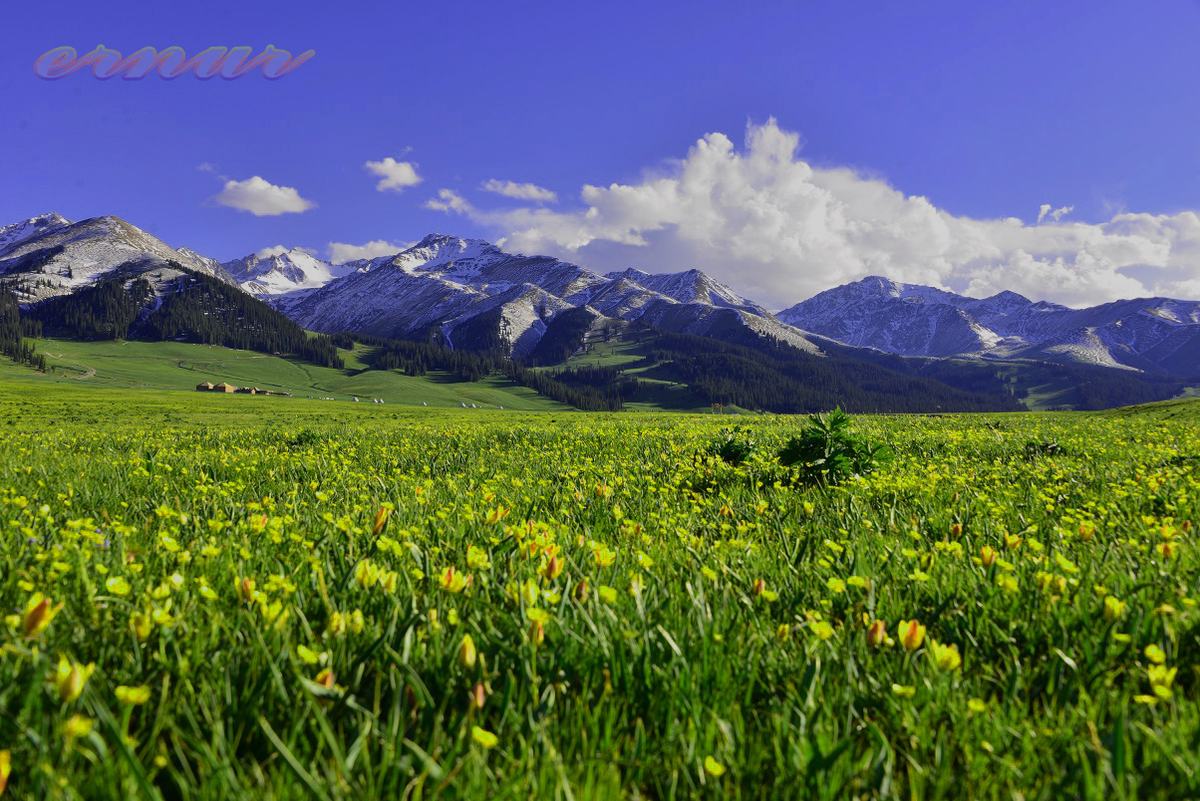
981	113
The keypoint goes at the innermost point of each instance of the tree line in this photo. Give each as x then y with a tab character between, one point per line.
778	378
13	331
199	309
574	388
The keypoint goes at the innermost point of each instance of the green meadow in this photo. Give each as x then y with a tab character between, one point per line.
265	597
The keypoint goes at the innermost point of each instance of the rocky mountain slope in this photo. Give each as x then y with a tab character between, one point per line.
470	293
49	256
1155	335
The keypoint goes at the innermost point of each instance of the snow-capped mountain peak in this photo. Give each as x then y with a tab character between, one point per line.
280	271
438	250
629	274
48	256
16	233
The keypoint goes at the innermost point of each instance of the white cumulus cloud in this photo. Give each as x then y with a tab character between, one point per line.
262	198
519	191
779	229
449	201
342	252
1048	212
393	175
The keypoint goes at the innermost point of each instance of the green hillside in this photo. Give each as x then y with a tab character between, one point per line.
176	366
179	367
1186	408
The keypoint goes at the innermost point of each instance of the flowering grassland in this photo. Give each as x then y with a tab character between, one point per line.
495	605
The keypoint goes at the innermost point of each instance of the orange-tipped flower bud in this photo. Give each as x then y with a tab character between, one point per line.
478	696
911	634
381	519
70	678
38	614
877	634
245	588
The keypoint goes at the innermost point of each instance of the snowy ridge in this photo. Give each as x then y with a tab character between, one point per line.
274	272
467	291
58	257
1150	334
16	233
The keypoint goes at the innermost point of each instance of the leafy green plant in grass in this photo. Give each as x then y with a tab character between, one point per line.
827	452
733	445
1036	450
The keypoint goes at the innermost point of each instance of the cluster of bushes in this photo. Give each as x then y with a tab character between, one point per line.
824	452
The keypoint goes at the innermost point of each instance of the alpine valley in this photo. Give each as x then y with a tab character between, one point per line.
465	309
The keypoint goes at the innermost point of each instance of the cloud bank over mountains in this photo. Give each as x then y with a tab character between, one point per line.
779	229
342	252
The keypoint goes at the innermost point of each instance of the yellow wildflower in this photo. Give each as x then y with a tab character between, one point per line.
946	657
466	652
77	726
132	696
484	738
821	629
1114	608
453	581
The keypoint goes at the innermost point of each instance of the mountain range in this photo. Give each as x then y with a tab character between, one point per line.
1152	335
468	294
